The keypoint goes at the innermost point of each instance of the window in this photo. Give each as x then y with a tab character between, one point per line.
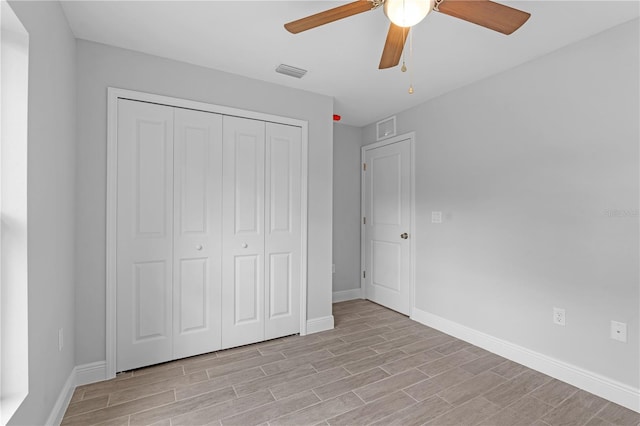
14	77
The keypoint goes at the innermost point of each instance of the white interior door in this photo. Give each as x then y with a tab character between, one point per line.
205	230
197	232
243	231
144	234
283	234
387	201
208	232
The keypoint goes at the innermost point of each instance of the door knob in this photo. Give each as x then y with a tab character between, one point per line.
245	245
404	236
199	247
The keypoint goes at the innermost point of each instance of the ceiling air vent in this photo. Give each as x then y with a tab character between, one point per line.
291	71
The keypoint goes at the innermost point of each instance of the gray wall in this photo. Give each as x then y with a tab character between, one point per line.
346	206
101	66
51	204
527	167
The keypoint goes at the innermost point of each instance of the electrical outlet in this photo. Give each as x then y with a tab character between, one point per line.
60	339
619	331
559	316
436	217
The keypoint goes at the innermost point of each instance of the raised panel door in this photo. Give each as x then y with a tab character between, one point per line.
283	234
197	232
388	214
242	231
144	234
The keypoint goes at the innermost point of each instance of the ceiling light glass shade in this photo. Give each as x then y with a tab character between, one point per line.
407	13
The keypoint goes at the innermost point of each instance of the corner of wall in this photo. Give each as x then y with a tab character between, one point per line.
344	295
316	325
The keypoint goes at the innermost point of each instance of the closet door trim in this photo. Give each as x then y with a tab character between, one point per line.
113	94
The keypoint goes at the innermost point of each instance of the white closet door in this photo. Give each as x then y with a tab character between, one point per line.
282	226
144	234
243	232
197	232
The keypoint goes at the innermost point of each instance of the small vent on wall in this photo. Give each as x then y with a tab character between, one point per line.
291	71
386	128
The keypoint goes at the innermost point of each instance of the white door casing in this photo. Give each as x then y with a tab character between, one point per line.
144	234
197	232
387	234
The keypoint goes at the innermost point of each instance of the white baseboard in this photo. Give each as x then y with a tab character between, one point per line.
344	295
596	384
317	325
80	375
60	407
91	373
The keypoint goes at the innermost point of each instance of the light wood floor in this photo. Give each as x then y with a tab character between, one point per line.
375	367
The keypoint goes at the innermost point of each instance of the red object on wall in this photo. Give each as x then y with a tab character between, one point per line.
336	117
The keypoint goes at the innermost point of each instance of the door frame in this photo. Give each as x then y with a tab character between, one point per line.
113	94
412	231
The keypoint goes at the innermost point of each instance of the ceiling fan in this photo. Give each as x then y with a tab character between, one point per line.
403	14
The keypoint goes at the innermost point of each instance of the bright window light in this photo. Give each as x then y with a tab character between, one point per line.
14	78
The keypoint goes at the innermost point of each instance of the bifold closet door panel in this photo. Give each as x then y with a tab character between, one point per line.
282	230
208	232
197	232
242	231
144	234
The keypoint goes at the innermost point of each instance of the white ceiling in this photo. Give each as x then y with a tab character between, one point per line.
248	38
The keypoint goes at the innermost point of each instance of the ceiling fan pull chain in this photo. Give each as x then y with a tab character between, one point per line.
404	54
411	63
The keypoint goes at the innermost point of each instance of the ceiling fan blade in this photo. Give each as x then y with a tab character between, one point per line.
486	13
392	52
328	16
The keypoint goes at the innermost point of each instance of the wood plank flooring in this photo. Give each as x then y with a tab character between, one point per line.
376	367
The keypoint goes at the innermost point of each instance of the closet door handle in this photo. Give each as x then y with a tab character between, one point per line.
245	245
199	247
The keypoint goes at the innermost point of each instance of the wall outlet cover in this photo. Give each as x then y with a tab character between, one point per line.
60	339
619	331
436	217
559	316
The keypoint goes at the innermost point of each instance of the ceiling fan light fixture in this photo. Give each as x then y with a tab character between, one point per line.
407	13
